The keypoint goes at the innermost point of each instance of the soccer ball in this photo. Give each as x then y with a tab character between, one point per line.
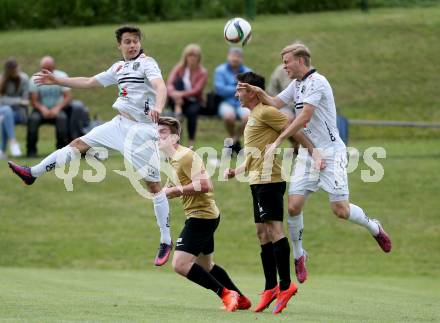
237	30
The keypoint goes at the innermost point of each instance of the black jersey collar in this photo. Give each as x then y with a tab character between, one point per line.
313	70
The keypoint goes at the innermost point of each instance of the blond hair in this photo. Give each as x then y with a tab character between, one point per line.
298	50
189	49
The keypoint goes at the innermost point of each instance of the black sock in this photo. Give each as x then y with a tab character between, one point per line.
200	276
269	265
223	278
281	250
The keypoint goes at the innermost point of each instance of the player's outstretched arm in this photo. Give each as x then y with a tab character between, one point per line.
265	98
298	123
46	77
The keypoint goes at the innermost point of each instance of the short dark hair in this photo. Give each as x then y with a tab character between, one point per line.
252	78
127	29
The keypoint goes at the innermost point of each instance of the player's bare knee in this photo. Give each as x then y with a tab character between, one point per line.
208	266
341	210
275	230
229	118
270	232
262	234
80	145
75	143
205	262
154	187
294	209
180	266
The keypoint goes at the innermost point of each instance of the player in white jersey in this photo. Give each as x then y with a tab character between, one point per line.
316	116
133	132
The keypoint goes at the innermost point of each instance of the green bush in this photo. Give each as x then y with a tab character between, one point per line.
401	3
48	13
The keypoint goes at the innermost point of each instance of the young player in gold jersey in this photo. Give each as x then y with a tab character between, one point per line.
193	255
264	125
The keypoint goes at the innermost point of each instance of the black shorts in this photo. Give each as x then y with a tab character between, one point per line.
197	236
268	200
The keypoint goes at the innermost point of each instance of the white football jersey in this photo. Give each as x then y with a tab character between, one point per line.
136	93
315	90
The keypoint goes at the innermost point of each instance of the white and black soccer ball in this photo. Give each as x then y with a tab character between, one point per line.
238	30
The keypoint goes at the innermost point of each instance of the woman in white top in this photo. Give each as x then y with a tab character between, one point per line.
185	87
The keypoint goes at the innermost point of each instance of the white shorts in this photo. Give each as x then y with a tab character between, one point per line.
239	112
333	178
137	142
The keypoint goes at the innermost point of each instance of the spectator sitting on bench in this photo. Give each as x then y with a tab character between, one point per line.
53	104
225	83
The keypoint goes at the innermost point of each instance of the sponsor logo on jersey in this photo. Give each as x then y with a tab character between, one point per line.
119	68
123	92
251	122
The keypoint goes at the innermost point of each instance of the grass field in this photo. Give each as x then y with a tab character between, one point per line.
42	295
107	227
87	255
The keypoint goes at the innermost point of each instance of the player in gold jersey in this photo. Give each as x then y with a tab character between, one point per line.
264	125
193	255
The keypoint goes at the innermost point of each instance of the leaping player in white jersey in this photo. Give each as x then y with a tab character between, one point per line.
316	116
142	96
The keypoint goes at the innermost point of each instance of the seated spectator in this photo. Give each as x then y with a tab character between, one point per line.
279	80
53	104
185	87
14	101
225	83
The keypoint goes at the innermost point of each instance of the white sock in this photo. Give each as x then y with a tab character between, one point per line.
358	216
296	226
162	211
58	158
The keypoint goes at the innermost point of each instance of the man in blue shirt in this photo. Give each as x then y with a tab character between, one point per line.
225	83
